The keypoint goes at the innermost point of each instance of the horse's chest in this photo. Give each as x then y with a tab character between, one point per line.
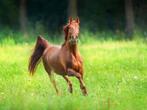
74	63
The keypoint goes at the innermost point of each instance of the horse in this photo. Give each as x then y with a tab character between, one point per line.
64	60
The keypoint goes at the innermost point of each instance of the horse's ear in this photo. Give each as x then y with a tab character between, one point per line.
65	28
77	20
70	19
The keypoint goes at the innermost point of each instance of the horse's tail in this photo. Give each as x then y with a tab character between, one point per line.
34	60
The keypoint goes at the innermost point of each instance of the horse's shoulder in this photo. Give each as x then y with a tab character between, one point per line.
79	57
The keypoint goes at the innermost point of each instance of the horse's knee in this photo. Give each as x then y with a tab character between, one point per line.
71	72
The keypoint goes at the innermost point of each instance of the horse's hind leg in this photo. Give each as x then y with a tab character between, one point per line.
71	72
69	84
48	70
53	82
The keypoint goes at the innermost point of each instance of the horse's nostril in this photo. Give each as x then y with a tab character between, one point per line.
72	37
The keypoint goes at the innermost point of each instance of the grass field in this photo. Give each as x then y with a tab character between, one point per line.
115	75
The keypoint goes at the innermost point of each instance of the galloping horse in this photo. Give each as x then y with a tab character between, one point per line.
64	60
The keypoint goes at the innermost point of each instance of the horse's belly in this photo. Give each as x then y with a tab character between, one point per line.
60	72
52	61
57	67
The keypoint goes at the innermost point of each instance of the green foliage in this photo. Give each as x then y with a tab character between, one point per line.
9	13
51	15
115	75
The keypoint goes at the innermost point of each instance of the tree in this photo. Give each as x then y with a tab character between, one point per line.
129	18
72	8
23	17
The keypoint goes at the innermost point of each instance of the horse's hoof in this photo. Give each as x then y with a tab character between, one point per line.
84	92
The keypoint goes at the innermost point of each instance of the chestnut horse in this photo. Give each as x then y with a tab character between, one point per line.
64	60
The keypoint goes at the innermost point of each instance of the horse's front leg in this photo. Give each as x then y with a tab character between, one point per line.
72	72
69	84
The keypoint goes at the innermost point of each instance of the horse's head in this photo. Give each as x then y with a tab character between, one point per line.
72	31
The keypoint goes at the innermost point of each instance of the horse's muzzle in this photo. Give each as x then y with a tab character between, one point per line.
73	40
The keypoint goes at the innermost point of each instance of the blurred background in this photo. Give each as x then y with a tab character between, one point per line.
116	19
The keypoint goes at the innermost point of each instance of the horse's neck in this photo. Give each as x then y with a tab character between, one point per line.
72	48
65	40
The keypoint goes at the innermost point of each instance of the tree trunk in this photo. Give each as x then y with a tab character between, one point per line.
129	18
72	8
23	17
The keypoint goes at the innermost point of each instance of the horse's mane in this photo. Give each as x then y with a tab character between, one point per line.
65	29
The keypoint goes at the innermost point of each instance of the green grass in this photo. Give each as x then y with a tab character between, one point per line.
115	76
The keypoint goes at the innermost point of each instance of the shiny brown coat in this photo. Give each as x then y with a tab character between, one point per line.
64	60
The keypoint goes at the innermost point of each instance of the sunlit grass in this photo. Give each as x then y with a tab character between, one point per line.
115	75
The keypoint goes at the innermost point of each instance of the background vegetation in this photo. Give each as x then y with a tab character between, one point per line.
49	16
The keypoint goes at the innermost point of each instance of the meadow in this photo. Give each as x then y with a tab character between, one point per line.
115	76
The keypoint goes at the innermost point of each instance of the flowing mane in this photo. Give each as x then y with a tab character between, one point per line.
65	29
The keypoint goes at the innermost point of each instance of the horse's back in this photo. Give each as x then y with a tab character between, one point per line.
51	52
